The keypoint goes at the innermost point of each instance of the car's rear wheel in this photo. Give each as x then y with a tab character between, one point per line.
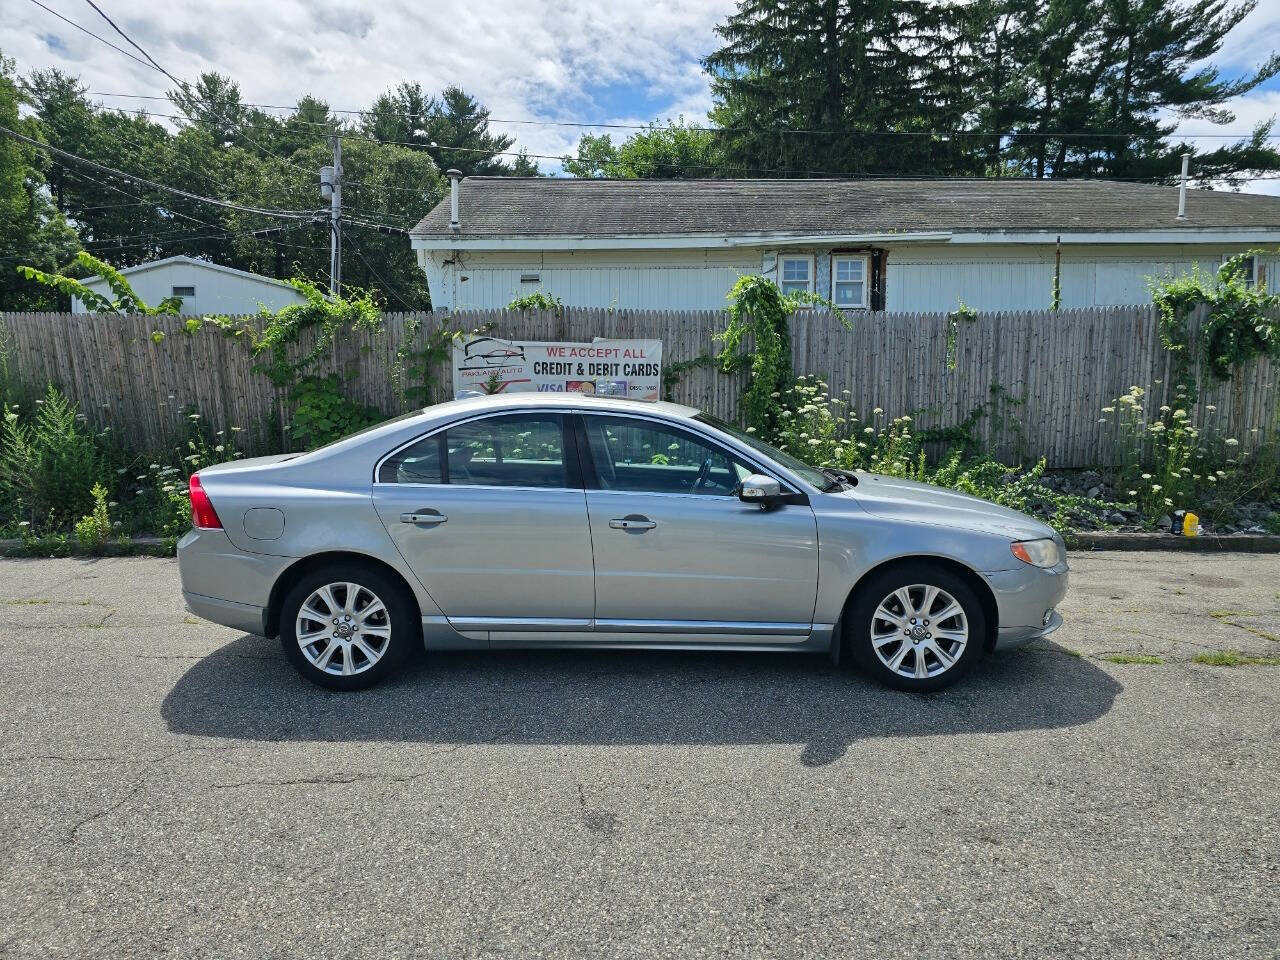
346	626
916	627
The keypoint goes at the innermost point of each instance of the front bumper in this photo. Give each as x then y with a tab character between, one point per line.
1026	599
1009	637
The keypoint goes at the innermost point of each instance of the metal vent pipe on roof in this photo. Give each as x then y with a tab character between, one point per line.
1182	188
454	176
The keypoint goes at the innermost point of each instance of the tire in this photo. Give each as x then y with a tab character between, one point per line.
377	626
929	652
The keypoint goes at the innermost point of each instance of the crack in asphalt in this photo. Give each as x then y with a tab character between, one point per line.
140	784
334	780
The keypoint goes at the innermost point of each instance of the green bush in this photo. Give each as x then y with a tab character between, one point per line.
322	414
822	430
1164	462
93	529
48	464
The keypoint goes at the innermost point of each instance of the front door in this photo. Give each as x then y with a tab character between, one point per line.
676	552
491	516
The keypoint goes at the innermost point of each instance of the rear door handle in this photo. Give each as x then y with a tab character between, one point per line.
633	523
423	519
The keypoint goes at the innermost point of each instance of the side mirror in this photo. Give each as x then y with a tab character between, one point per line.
763	491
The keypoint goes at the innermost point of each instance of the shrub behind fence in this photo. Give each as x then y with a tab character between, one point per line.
140	374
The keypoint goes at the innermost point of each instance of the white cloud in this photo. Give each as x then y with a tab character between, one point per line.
524	59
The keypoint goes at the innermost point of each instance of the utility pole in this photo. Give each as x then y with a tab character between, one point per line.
331	187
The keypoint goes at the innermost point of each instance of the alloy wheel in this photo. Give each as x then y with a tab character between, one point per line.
343	628
919	631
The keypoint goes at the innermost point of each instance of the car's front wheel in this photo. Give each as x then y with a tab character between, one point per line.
916	627
346	626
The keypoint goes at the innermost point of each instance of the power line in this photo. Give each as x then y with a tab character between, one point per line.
150	62
57	151
92	34
133	43
614	162
985	134
377	276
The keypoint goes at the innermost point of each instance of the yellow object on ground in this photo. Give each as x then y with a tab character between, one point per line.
1190	525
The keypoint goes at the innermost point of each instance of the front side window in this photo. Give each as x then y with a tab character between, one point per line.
642	456
849	282
518	450
809	473
796	274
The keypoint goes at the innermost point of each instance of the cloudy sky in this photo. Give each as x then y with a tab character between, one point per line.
604	61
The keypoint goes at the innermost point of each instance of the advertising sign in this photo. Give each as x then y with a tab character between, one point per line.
615	368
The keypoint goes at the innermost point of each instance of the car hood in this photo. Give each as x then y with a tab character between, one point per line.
884	496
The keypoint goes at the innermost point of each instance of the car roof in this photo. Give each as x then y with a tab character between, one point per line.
584	401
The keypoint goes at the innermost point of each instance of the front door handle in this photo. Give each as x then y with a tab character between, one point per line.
423	519
633	523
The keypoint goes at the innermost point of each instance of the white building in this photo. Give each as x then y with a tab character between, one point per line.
900	245
205	288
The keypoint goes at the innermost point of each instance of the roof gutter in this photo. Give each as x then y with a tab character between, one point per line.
672	241
1174	236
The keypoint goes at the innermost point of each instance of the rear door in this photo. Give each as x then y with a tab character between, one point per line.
491	515
677	553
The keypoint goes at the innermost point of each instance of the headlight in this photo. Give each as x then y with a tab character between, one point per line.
1038	553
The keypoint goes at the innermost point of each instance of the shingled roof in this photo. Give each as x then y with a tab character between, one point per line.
561	207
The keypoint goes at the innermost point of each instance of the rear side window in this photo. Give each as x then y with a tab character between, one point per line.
516	450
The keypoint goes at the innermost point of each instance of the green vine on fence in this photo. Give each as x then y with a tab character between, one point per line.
758	309
1236	328
963	312
672	372
125	299
538	301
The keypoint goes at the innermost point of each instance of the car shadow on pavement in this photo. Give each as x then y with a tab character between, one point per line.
247	690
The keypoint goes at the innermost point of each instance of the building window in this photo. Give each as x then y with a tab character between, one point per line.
184	291
1250	269
796	274
849	282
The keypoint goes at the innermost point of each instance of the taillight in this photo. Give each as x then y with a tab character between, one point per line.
203	516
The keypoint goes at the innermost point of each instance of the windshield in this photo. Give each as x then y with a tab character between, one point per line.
801	469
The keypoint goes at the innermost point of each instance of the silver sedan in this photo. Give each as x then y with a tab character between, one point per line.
545	520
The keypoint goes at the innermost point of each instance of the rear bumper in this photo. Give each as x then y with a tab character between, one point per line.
237	616
224	584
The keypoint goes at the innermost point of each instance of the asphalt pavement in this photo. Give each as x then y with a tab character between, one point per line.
172	788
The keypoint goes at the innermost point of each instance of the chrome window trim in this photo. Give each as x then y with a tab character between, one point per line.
753	458
486	415
743	452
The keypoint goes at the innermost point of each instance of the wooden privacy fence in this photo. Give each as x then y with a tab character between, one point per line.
1062	368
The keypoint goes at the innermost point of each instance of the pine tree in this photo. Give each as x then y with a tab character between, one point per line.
843	86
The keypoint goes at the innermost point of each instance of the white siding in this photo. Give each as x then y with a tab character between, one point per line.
217	291
937	278
659	280
933	278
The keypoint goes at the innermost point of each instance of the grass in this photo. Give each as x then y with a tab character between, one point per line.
1234	658
1225	616
27	601
1132	658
